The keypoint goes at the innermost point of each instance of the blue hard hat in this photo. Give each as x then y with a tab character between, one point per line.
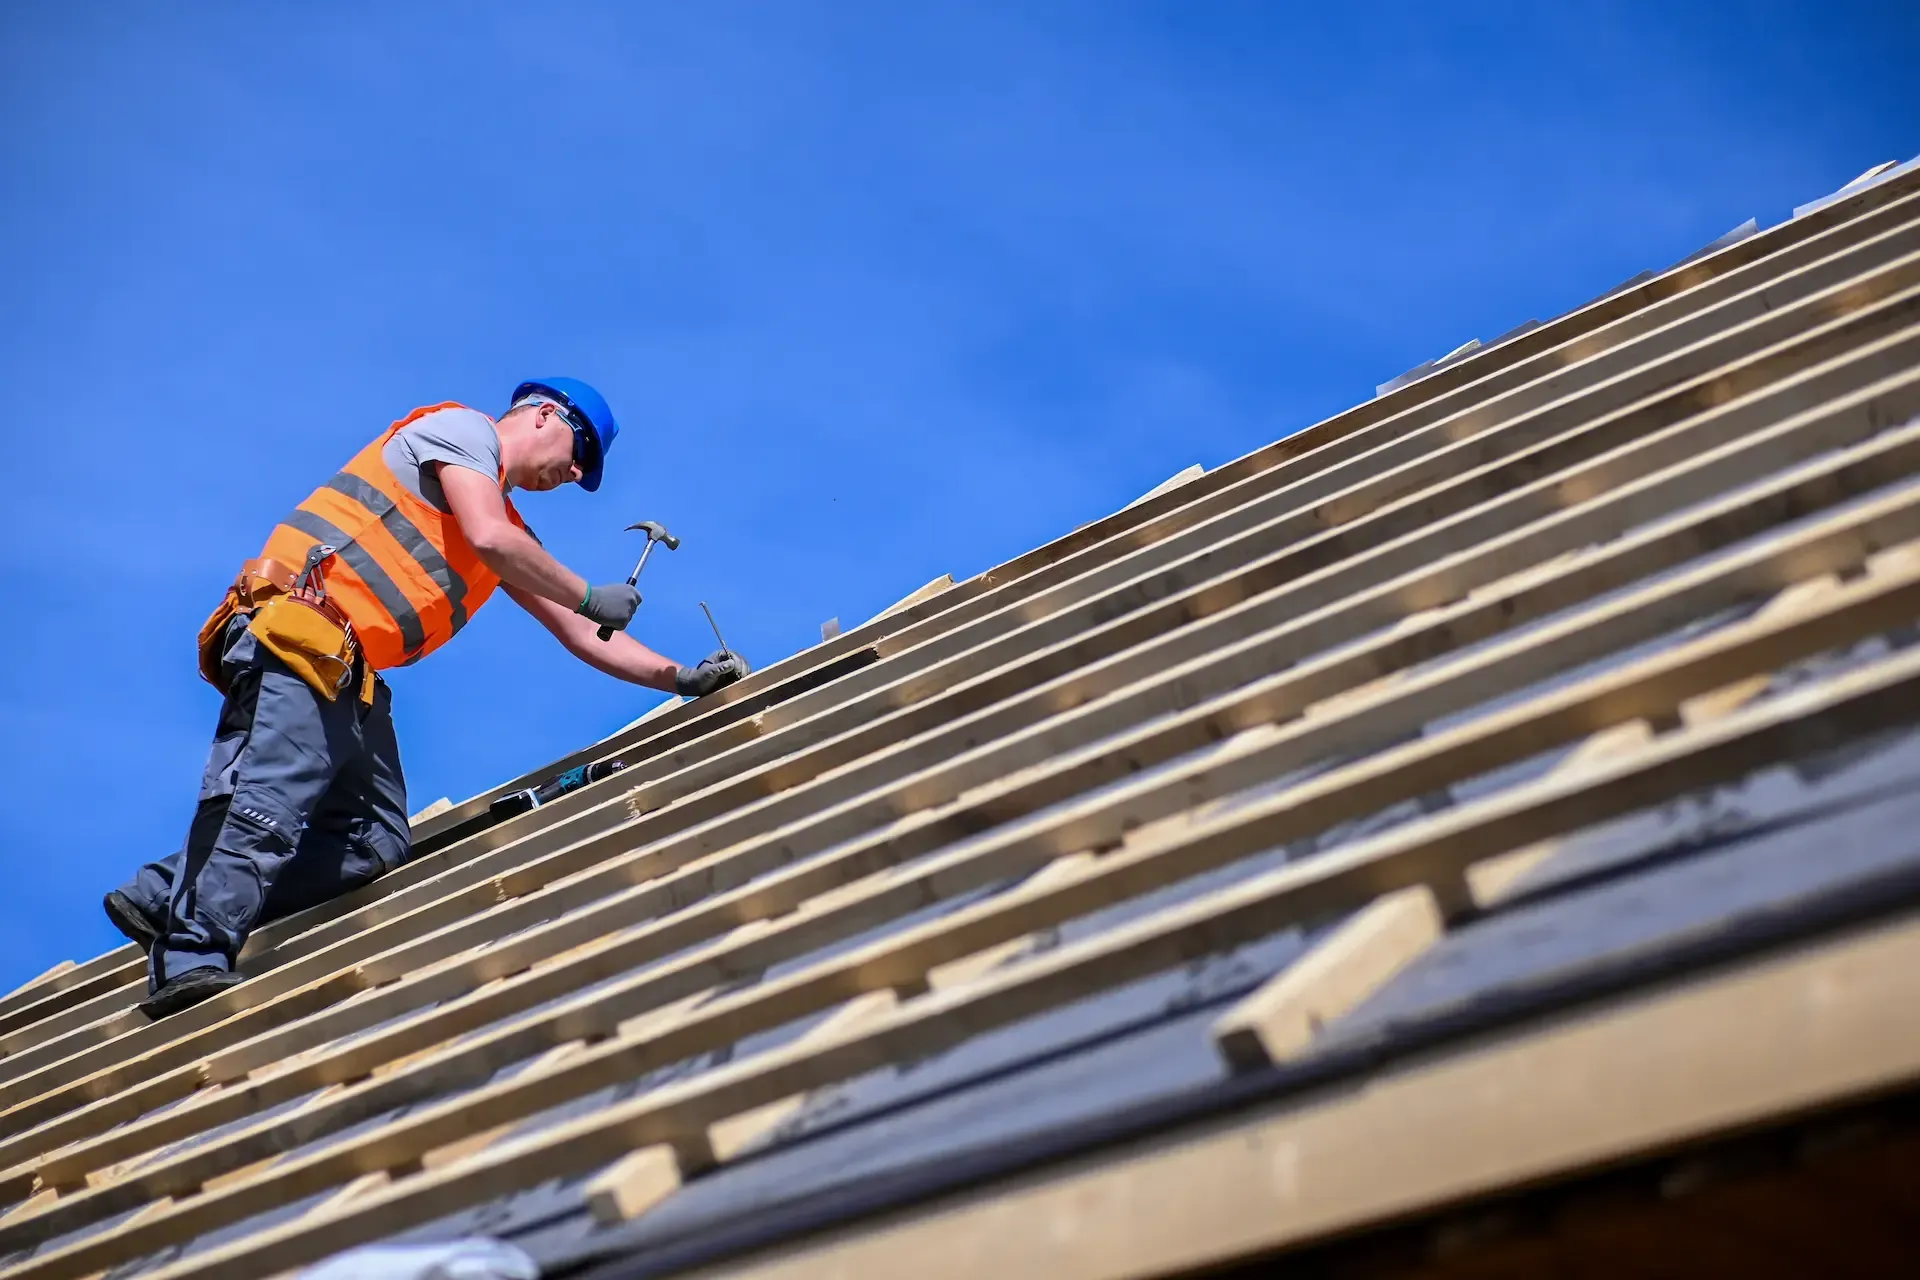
588	415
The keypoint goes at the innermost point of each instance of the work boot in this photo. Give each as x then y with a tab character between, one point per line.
187	990
128	918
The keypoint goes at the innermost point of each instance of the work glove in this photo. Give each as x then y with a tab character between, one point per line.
716	671
610	606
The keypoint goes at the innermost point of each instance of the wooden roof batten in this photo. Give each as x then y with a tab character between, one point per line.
1743	429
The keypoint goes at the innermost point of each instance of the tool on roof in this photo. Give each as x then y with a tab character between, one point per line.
656	532
552	789
716	627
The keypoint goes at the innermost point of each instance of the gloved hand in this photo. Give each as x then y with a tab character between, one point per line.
716	671
610	606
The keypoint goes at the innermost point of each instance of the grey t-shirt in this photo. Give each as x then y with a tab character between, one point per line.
464	437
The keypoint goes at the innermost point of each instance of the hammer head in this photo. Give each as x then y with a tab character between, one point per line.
657	532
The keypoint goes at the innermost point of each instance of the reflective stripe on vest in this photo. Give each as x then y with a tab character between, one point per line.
404	571
411	541
412	633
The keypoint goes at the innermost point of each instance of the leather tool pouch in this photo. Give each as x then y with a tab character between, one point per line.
289	614
256	581
305	631
213	634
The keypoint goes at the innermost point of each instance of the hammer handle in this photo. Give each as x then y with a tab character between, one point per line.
606	633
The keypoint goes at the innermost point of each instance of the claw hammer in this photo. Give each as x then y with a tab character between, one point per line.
656	532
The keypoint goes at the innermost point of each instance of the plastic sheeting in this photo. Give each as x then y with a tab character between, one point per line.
473	1259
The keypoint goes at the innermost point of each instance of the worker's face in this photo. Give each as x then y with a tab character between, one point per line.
551	457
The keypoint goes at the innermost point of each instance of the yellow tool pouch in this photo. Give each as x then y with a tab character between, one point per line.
313	641
256	581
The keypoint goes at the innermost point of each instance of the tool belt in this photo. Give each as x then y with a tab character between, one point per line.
290	613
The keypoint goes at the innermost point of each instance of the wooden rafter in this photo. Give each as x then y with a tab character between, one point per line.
1093	721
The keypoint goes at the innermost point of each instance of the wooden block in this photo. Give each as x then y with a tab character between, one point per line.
1873	172
960	972
1800	598
1531	574
152	1210
454	1152
1491	880
111	1173
1724	701
834	898
31	1205
913	598
365	1184
736	1133
241	1174
1895	559
1280	1020
1348	697
439	806
1172	482
633	1184
642	1025
1812	594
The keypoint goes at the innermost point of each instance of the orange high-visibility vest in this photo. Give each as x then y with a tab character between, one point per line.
403	572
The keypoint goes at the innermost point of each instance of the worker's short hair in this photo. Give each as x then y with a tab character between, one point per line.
567	414
536	401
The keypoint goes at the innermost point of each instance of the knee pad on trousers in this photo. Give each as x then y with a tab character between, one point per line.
231	886
386	846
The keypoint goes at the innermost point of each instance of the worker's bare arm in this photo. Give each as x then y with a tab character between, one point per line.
506	548
621	656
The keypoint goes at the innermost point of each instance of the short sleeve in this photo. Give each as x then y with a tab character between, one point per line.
461	437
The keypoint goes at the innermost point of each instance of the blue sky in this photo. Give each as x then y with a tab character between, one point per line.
878	290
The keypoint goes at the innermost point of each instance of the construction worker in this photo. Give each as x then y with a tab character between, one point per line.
303	798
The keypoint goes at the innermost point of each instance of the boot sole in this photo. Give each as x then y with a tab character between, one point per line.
129	921
173	998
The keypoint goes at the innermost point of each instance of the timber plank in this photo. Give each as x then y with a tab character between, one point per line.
1071	654
1280	1020
1861	701
1658	682
1598	325
1876	221
633	1184
824	732
1808	276
1841	546
1602	324
1634	1077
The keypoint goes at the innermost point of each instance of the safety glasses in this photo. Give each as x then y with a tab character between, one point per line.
586	446
584	449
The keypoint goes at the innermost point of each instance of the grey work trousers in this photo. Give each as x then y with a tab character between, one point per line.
302	800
